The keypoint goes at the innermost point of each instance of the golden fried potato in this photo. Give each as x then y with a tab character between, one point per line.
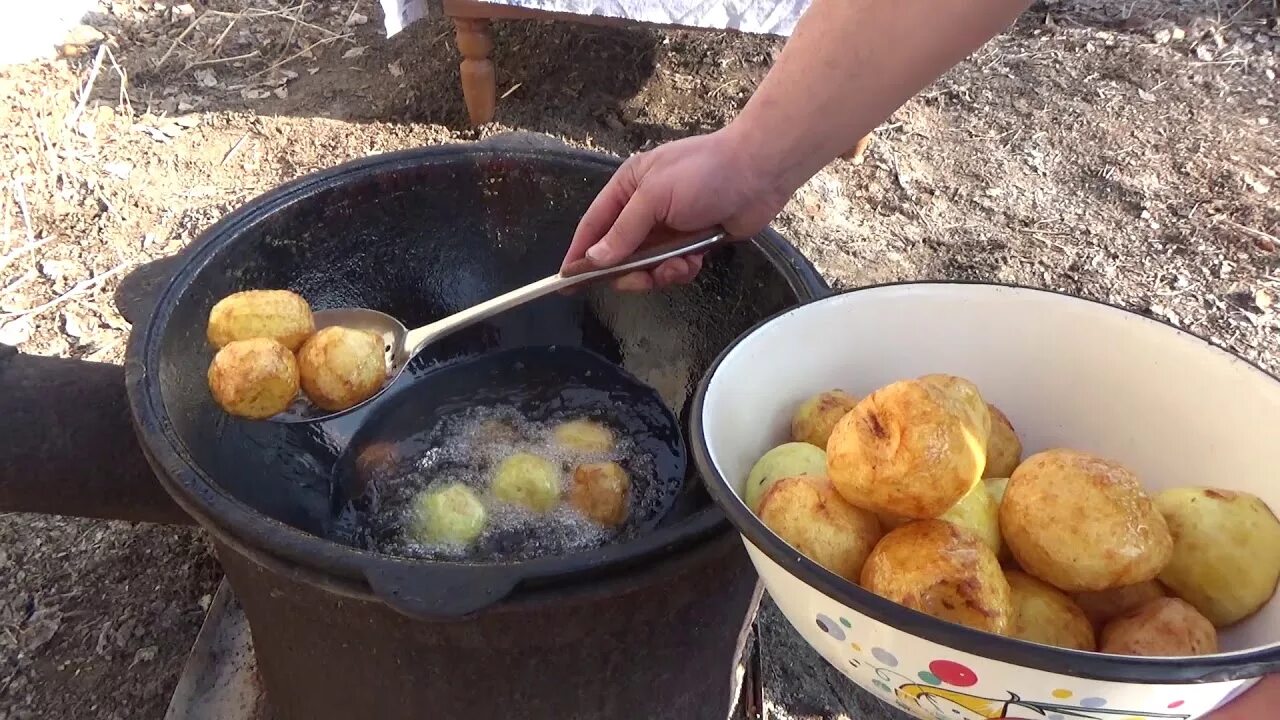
1103	606
944	571
1044	614
787	460
978	513
1226	551
452	514
1164	627
1004	449
281	315
810	515
528	480
377	460
1081	523
600	491
254	378
913	448
817	416
342	367
584	436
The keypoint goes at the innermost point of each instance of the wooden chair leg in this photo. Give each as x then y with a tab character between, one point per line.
479	86
858	150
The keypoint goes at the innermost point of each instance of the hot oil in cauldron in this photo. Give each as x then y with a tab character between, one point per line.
465	438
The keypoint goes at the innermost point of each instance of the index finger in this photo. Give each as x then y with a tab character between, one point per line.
603	212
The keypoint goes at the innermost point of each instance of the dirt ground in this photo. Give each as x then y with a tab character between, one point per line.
1121	151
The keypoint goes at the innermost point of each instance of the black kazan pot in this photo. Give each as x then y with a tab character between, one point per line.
644	628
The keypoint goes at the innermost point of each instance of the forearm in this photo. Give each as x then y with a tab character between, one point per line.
848	66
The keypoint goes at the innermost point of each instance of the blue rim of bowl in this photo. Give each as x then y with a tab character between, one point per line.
1221	667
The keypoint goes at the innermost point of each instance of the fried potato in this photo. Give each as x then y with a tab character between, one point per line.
377	460
528	480
995	488
944	571
342	367
978	513
1082	523
787	460
1103	606
810	515
281	315
912	448
452	514
584	436
254	378
817	416
1044	614
1226	551
600	492
1004	449
1164	627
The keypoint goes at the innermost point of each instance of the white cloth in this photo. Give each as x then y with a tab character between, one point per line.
765	17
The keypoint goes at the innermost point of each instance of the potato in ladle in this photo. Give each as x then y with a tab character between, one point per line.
254	378
342	367
281	315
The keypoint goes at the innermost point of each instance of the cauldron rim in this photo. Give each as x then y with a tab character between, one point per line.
273	543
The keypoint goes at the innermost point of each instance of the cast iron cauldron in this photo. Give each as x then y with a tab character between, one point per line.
644	629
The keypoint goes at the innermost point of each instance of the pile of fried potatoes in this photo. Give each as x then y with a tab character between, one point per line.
919	493
268	349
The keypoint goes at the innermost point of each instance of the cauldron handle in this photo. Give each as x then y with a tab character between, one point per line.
446	591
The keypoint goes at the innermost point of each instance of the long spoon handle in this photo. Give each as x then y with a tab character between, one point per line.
578	273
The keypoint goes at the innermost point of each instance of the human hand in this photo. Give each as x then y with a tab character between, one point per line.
677	191
1257	702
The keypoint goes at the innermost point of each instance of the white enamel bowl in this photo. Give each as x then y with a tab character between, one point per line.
1067	372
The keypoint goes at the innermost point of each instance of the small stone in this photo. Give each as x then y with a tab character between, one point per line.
354	52
395	69
1162	36
146	654
76	325
1178	33
16	332
56	269
357	19
281	92
206	77
1263	299
82	36
121	170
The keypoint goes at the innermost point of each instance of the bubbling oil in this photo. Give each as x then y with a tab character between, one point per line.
465	446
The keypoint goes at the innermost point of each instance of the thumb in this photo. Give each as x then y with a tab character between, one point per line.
629	230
